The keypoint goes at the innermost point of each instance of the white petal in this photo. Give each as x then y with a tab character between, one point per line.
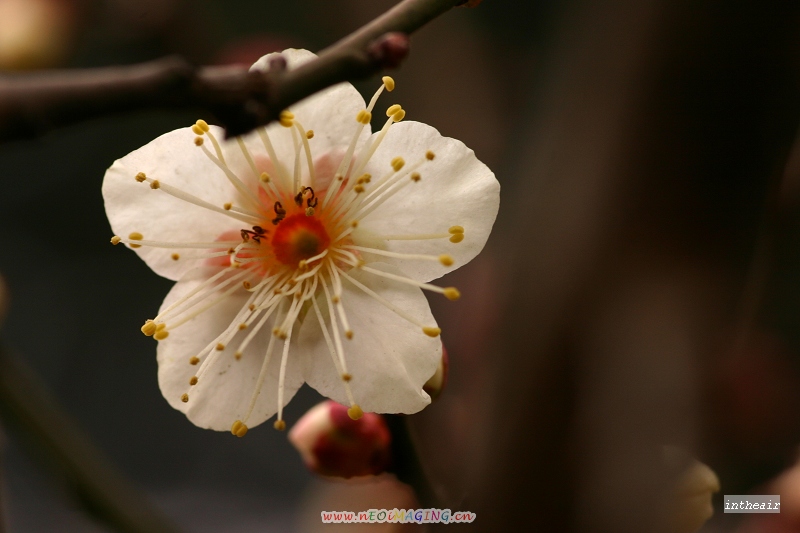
330	113
455	190
389	358
223	394
135	207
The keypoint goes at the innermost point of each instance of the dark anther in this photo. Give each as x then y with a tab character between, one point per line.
280	212
312	199
256	234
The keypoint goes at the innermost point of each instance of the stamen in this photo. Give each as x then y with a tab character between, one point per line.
235	181
166	244
365	156
262	133
426	329
282	379
451	293
135	236
355	412
239	429
346	377
261	377
337	292
334	327
444	259
190	198
304	137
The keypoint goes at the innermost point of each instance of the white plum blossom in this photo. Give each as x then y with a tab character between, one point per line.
300	252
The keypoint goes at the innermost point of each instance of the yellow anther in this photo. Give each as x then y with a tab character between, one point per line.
310	134
346	377
231	251
393	109
175	257
246	285
348	334
115	240
155	184
446	260
264	177
363	117
365	178
239	429
388	82
197	130
160	335
451	293
309	211
149	328
354	223
415	176
235	264
202	124
280	425
400	115
140	177
355	412
456	229
360	263
194	360
398	163
302	264
238	355
242	326
198	141
339	177
220	347
282	334
429	155
136	236
161	327
252	307
359	189
227	206
431	332
336	299
184	397
456	238
286	119
193	381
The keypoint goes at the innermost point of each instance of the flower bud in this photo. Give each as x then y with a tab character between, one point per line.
436	384
333	444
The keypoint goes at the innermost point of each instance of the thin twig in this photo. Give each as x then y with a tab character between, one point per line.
28	409
240	100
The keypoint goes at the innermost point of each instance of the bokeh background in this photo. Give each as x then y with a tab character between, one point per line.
642	286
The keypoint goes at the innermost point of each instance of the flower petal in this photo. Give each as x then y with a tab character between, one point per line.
456	189
330	113
389	358
135	207
224	392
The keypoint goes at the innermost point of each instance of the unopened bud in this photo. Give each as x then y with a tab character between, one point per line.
333	444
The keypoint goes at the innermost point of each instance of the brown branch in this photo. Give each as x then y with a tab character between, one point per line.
240	100
28	409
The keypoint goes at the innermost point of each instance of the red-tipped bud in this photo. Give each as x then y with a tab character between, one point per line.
331	443
438	381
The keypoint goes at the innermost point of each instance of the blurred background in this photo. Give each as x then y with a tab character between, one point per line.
641	288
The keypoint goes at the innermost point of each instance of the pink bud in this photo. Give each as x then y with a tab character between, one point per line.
436	384
333	444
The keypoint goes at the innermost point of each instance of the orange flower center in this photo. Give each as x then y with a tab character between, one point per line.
299	237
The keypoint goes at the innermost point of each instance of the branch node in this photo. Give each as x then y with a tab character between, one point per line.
389	50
